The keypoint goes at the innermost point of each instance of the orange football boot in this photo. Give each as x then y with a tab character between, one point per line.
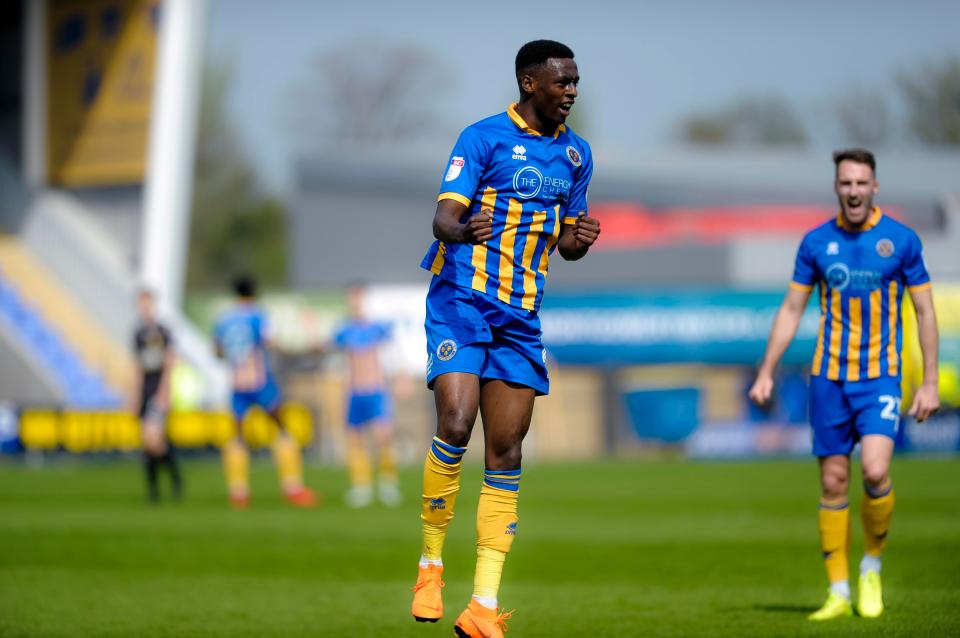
239	501
478	621
303	497
427	600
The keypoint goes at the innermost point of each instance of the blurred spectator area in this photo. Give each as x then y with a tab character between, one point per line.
701	217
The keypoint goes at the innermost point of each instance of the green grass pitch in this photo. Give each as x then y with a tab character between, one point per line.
619	548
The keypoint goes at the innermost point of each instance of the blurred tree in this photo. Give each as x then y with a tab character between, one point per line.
371	93
932	96
750	121
234	227
864	117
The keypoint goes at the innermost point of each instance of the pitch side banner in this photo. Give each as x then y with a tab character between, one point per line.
727	328
100	74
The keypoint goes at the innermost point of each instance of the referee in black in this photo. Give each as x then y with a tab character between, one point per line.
154	353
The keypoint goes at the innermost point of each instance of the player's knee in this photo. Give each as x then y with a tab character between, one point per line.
835	485
456	434
453	426
876	473
507	457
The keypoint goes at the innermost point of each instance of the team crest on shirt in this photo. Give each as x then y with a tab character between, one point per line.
833	248
456	165
447	350
574	156
885	248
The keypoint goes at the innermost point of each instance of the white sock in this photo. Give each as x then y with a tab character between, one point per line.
869	564
489	603
425	562
841	587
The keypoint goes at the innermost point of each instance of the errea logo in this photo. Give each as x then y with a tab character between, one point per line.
520	153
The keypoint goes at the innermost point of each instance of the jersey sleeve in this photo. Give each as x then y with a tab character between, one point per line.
218	332
577	200
340	337
167	337
914	269
263	329
804	269
467	163
384	331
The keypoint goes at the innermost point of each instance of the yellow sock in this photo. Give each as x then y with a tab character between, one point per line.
236	466
388	465
876	510
496	529
486	580
441	482
289	462
835	538
358	462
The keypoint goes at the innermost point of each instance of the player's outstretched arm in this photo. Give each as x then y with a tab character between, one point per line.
926	401
784	329
448	228
576	239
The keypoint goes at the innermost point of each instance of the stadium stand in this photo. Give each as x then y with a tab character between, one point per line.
76	382
91	368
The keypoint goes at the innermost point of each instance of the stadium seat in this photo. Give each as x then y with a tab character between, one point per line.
82	388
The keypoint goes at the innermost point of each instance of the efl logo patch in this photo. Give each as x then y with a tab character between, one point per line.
456	164
885	248
574	156
447	350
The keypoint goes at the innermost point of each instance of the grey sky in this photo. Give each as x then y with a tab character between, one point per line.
643	65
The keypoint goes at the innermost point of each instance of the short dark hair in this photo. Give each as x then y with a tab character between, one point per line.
859	155
537	52
245	286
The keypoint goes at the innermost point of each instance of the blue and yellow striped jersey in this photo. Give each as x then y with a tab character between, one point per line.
862	276
242	334
532	184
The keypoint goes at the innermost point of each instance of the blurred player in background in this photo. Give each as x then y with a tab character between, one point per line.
369	412
155	359
862	261
242	337
514	190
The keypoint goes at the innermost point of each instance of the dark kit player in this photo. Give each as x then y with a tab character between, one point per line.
155	357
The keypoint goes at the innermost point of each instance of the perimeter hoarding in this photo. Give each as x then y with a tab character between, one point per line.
615	328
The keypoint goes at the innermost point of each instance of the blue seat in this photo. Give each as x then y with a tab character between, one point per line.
80	385
669	415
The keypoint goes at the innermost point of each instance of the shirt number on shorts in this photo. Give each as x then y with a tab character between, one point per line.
891	409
